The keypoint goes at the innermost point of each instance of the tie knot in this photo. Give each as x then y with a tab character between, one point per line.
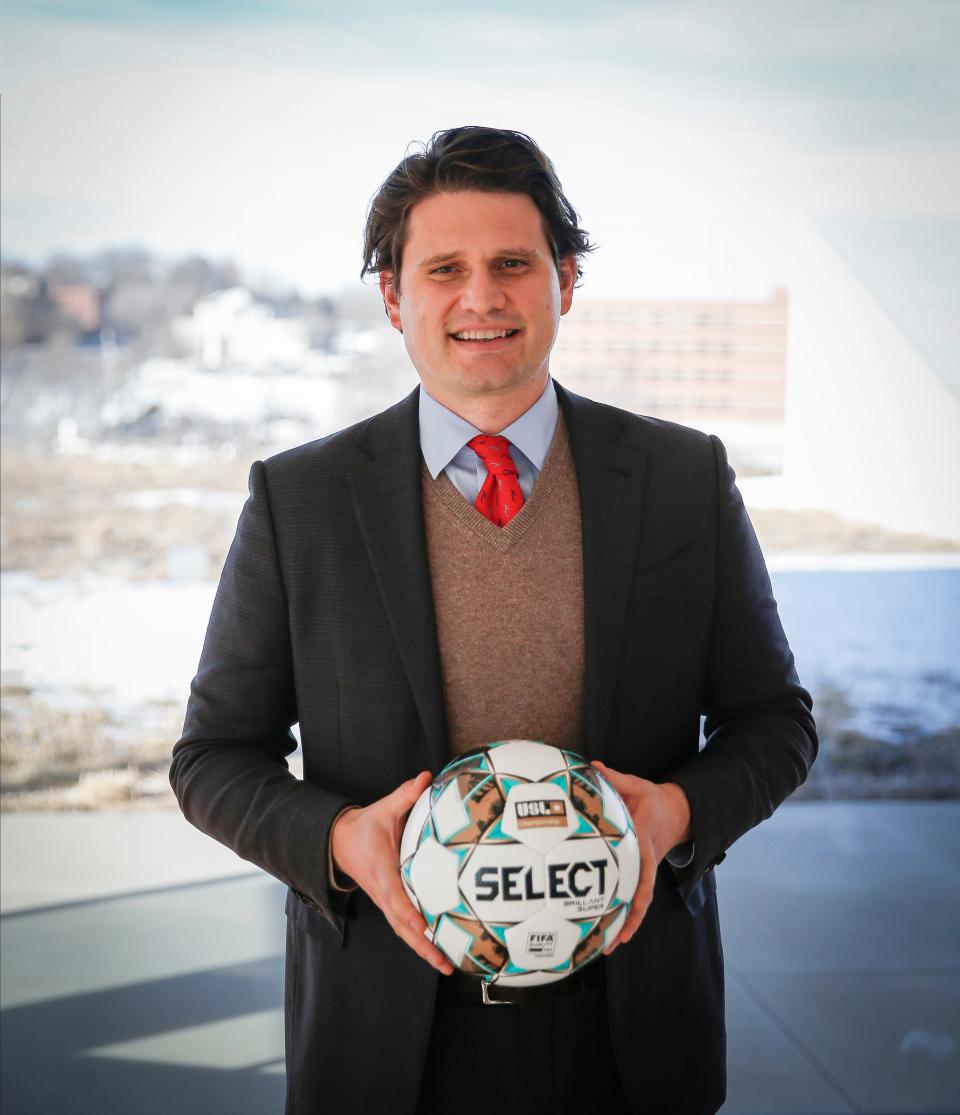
494	451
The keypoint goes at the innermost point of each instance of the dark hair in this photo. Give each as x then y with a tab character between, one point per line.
494	160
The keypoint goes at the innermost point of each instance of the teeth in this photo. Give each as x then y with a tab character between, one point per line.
483	335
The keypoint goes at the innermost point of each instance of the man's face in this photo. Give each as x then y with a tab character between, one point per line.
478	262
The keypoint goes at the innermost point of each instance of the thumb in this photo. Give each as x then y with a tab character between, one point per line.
611	775
407	792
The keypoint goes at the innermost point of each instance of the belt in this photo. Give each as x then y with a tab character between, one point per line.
463	988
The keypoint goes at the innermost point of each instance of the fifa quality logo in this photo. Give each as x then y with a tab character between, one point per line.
542	944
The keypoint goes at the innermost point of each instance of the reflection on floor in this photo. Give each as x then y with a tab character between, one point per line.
155	992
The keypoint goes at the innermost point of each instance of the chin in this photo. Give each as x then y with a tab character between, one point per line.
494	382
495	375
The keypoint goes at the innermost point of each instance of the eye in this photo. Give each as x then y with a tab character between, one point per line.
514	264
444	269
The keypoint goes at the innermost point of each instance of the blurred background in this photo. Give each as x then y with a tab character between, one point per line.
773	189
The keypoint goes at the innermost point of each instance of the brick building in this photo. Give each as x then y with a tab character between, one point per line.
689	361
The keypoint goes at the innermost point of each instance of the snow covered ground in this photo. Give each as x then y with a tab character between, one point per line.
889	638
75	641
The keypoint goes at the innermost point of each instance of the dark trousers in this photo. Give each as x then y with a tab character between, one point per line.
550	1056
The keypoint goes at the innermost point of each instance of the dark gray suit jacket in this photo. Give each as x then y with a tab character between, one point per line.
324	615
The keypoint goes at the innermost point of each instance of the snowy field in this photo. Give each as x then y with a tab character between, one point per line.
889	638
119	644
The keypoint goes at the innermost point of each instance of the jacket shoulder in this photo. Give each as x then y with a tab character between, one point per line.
344	449
639	430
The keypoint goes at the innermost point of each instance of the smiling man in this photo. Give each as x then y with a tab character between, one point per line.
493	557
480	316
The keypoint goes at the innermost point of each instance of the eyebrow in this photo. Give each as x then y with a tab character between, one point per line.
512	253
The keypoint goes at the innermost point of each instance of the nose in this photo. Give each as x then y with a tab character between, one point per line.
482	292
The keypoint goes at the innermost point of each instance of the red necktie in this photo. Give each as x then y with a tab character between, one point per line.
500	497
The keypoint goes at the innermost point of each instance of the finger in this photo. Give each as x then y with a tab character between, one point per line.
644	894
406	921
642	898
412	930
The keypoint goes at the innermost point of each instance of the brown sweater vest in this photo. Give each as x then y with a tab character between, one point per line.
509	608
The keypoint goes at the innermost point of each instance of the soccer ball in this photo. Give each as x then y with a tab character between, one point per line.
523	861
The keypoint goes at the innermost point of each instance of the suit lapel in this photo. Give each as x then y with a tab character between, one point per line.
611	475
387	496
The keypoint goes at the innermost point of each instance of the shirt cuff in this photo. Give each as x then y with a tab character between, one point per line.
336	879
682	854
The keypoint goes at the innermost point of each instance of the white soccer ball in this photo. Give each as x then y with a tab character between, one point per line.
523	861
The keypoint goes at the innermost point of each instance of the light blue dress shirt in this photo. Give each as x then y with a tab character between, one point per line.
444	436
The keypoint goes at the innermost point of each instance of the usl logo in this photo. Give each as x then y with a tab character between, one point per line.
549	813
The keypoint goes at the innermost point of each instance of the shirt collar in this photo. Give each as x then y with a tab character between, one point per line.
443	434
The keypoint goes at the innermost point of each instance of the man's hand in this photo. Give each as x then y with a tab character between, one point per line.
661	816
365	844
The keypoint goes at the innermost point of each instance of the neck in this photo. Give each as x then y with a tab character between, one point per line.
491	412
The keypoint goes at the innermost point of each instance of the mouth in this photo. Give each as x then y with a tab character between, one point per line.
484	338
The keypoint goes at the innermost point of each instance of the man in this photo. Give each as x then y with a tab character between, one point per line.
493	557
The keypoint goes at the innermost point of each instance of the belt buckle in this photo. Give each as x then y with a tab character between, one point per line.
488	1000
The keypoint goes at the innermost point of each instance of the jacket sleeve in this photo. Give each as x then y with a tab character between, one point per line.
760	736
229	770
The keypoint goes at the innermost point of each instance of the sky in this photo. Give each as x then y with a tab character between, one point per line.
696	138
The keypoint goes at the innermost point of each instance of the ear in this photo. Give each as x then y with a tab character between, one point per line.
391	300
568	276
